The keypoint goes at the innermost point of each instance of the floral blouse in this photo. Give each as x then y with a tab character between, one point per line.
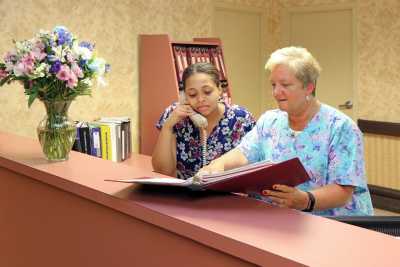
235	123
330	148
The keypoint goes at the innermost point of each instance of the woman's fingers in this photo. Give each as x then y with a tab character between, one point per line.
281	202
283	188
274	193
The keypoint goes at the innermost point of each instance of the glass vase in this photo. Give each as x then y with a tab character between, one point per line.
56	132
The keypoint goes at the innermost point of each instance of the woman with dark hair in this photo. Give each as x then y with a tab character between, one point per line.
186	143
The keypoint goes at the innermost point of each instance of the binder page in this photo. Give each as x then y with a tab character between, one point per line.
155	181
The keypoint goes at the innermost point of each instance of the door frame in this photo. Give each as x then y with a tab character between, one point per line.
285	40
262	12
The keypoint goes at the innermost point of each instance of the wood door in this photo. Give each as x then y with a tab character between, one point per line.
240	33
329	35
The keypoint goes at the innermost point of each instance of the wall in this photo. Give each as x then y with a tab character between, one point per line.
378	58
114	27
378	52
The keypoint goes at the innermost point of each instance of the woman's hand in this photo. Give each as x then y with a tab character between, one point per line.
287	197
180	112
230	160
214	167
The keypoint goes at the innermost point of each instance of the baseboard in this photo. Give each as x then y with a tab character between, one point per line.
385	198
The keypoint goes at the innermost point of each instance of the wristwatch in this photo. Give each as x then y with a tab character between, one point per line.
311	202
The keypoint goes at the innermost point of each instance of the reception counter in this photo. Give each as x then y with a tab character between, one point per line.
65	214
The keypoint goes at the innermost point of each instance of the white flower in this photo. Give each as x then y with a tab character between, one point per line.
87	81
81	52
18	69
58	53
41	71
98	65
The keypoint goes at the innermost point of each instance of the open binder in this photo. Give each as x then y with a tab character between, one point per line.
252	178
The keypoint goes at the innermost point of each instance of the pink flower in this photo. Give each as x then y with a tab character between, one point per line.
3	74
64	73
72	80
28	60
38	50
77	70
21	69
38	54
70	57
10	56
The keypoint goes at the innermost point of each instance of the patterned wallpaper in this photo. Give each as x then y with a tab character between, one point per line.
379	60
114	27
378	52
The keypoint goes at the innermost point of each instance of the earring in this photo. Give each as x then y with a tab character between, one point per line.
307	97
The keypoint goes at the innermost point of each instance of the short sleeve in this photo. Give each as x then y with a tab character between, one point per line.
250	145
164	116
243	121
248	122
346	157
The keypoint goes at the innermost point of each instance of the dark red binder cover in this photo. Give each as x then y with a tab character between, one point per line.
252	178
290	172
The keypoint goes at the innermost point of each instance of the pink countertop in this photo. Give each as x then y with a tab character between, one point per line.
245	228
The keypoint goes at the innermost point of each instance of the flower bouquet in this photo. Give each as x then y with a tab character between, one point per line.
55	68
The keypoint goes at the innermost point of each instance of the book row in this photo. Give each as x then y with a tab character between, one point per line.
185	55
107	138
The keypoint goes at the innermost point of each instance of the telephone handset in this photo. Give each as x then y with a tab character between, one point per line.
200	122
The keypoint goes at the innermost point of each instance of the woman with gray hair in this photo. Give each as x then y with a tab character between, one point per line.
327	142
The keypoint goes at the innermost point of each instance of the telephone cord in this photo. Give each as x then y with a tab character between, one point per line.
204	147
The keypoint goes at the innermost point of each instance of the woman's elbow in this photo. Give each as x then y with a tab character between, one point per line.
161	168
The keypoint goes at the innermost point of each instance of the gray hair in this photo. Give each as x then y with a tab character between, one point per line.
304	66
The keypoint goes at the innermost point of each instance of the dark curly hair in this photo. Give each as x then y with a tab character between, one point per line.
202	67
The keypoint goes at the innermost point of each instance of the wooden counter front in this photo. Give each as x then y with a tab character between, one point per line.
65	214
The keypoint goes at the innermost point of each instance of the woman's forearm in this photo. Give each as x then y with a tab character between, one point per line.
164	153
332	196
230	160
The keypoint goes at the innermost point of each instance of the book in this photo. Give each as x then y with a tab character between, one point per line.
123	134
84	136
252	178
179	65
95	140
114	138
191	55
105	141
77	143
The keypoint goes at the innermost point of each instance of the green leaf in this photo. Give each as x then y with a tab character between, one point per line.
32	98
5	80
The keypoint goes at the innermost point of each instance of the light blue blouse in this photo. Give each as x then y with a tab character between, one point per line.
330	148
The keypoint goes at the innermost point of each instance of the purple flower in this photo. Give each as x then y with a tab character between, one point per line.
82	63
55	67
87	45
52	58
63	35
